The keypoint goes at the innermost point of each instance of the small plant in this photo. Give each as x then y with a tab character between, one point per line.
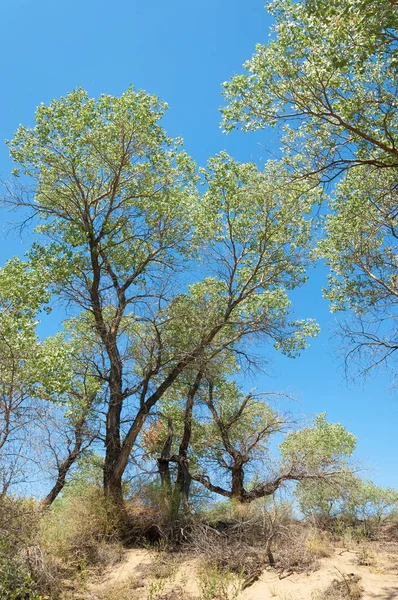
215	584
367	556
155	588
165	566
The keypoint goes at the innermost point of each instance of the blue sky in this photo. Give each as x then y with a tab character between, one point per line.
182	51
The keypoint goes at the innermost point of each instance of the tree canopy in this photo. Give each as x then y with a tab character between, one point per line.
125	227
328	78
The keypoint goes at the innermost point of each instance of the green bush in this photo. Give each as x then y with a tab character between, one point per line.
15	581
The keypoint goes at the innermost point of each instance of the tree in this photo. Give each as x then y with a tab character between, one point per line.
174	439
325	500
322	446
371	504
70	424
329	77
258	253
22	294
347	497
239	438
117	201
121	214
361	248
47	391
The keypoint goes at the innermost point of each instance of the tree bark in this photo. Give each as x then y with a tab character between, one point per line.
164	460
237	487
59	485
112	477
184	479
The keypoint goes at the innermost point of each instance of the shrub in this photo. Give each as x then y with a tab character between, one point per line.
318	544
21	577
347	587
15	581
81	528
216	584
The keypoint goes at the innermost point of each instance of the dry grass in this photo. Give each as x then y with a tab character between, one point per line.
318	544
216	584
345	587
253	537
81	530
128	590
230	551
300	549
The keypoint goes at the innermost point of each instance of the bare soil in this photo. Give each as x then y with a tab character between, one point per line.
378	577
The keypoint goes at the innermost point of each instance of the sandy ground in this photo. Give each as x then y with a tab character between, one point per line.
379	581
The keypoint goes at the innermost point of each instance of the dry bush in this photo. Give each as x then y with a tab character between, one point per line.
251	537
82	530
19	519
346	587
33	568
46	570
299	548
127	590
318	543
230	550
367	556
242	541
146	523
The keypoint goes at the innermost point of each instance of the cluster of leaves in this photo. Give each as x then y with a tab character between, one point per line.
329	76
15	581
349	498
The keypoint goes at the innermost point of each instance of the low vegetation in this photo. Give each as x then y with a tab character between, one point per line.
55	553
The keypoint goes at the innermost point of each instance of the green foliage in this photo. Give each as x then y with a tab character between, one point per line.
251	427
15	580
18	526
322	447
326	499
368	502
328	76
218	584
330	68
81	146
120	213
348	498
260	248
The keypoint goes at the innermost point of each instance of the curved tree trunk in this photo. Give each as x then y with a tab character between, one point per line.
63	470
81	443
184	479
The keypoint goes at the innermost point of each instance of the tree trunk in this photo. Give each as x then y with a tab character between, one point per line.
112	476
184	479
73	454
63	470
237	488
164	460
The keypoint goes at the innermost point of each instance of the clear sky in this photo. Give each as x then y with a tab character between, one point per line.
183	50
